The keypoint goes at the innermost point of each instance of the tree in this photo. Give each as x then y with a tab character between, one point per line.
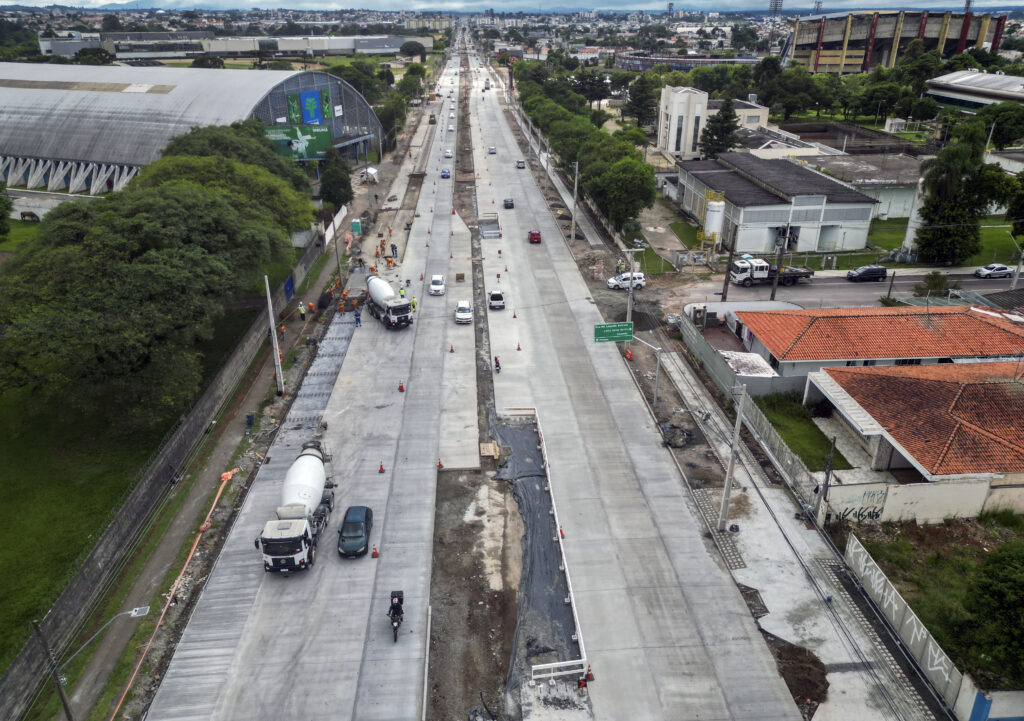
623	189
719	133
415	70
93	56
960	188
176	252
744	36
241	141
1008	119
409	86
386	76
643	100
335	182
412	47
6	207
110	24
924	109
936	284
996	601
208	61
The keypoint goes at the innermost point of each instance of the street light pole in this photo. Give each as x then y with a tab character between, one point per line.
629	300
575	185
1020	261
55	672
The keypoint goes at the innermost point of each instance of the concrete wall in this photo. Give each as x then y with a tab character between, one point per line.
1000	497
860	503
933	502
934	662
892	202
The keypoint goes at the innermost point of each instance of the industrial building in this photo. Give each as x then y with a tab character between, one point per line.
169	45
89	129
858	41
969	90
775	201
682	113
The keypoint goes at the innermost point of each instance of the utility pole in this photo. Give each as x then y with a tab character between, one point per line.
779	247
823	496
58	681
892	279
273	339
575	186
723	514
728	266
1020	261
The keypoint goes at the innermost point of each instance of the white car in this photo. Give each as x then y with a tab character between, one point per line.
436	285
448	153
492	150
623	281
451	128
496	300
451	116
994	270
463	312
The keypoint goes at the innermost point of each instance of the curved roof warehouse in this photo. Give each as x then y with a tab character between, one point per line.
90	129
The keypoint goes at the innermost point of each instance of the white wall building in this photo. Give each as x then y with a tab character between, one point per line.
763	197
682	113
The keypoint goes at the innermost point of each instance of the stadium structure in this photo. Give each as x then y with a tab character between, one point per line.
88	129
858	41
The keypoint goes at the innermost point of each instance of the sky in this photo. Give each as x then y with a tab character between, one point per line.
509	5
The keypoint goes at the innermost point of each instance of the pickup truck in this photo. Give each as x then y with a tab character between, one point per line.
746	272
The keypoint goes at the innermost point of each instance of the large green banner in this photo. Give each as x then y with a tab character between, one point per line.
300	142
294	112
325	103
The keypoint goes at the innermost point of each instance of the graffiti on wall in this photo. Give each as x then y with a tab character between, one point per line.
933	660
852	504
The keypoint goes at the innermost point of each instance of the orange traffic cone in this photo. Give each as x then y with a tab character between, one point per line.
401	387
381	469
590	674
439	464
451	349
561	532
518	347
514	313
453	211
421	276
375	555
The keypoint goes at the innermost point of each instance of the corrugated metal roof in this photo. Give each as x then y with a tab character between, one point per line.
121	115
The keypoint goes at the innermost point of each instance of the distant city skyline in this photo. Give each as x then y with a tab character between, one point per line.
473	6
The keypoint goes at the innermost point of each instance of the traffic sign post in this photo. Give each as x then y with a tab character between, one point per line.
613	332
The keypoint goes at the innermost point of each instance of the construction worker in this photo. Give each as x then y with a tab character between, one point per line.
414	304
341	307
355	304
376	252
302	312
311	309
401	292
283	329
359	320
394	250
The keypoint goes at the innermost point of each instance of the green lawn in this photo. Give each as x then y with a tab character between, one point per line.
685	232
650	262
793	422
996	246
21	231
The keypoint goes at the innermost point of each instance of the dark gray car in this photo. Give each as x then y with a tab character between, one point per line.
867	272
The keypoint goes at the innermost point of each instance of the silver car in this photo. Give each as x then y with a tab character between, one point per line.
463	312
436	285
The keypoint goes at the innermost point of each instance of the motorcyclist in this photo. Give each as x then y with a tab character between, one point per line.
396	610
497	364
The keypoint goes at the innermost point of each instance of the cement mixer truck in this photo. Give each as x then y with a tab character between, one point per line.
385	305
289	542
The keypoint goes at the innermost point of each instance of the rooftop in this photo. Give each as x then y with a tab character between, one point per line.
954	419
748	180
873	169
1010	87
887	333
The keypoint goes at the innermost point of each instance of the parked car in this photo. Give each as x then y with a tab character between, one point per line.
492	150
867	272
533	236
451	116
520	164
446	173
447	152
496	300
354	534
451	128
624	280
509	203
463	312
436	285
994	270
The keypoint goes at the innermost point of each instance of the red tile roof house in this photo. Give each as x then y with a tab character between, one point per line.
797	342
958	428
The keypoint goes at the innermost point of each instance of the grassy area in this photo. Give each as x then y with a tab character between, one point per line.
934	568
996	245
650	262
685	232
314	272
21	231
793	422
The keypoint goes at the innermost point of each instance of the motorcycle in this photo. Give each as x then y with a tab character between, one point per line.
396	612
497	365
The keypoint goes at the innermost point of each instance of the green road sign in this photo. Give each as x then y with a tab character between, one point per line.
613	332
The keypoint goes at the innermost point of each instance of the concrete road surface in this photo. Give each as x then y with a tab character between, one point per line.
665	628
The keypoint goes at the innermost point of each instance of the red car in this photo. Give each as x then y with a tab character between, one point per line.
533	236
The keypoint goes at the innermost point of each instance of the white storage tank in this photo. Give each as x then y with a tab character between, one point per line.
714	220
